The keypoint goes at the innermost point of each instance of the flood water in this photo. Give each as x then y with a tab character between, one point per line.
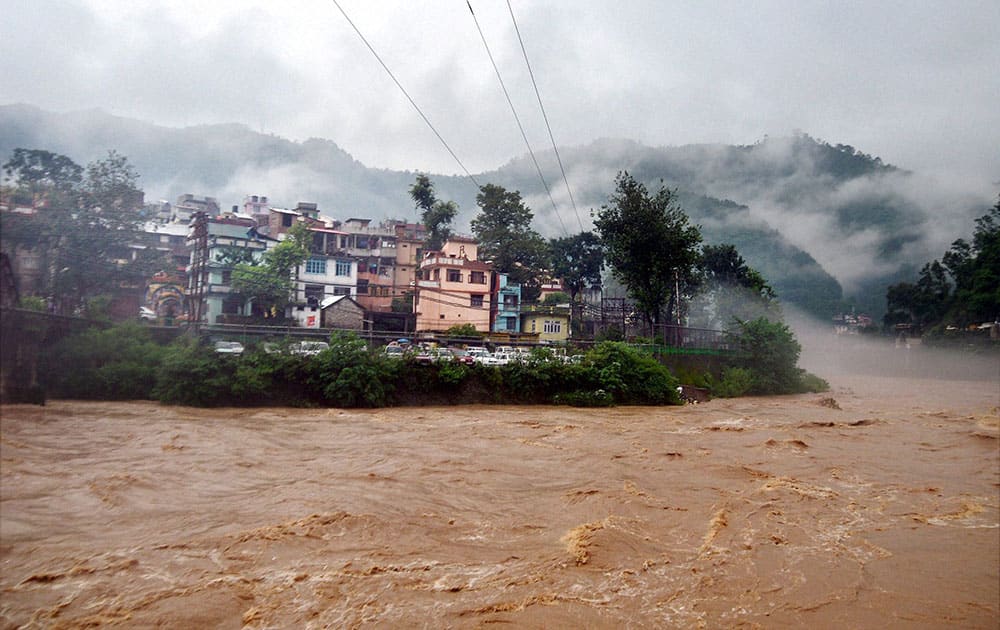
873	505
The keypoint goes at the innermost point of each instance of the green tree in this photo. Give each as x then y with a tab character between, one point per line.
503	229
47	178
83	228
770	352
731	289
577	260
268	283
436	215
650	246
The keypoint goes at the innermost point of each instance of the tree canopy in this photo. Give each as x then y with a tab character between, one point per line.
436	215
268	282
651	247
731	289
960	289
83	228
503	229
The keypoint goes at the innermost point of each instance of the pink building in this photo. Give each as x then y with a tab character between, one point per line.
454	288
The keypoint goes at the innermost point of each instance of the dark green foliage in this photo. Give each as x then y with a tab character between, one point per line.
963	288
769	350
503	229
735	382
459	331
119	363
650	246
435	214
577	261
193	374
350	374
632	377
83	227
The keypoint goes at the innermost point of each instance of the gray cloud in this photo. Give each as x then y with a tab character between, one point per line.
912	82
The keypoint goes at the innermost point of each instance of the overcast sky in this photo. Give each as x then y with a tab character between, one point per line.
916	83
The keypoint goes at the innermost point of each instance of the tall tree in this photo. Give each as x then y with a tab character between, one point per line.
731	289
962	288
84	229
49	179
577	260
268	282
436	215
503	229
651	247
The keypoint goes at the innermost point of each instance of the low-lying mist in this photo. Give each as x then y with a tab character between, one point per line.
829	355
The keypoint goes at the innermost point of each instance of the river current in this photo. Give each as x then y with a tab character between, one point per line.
872	505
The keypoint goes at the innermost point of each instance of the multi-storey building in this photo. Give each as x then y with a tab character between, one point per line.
454	288
508	303
225	237
257	207
187	205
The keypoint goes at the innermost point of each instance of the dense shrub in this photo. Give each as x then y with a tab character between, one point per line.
631	377
117	363
192	373
735	382
769	350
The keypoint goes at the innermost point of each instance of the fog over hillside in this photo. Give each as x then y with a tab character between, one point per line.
799	209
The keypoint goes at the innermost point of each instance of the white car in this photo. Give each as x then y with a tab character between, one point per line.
308	348
147	314
229	347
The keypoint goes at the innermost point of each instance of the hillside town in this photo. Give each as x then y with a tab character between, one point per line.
359	275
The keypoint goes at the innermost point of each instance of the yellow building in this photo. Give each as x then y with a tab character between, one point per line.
550	323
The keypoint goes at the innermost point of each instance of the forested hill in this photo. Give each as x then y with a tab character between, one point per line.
801	211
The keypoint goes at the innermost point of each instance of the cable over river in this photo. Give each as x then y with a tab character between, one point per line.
874	505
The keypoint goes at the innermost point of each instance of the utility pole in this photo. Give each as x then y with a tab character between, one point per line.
199	266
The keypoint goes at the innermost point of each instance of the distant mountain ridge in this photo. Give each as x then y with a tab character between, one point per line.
811	216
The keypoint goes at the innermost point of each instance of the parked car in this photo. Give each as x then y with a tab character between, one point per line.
461	356
394	352
308	348
147	314
229	347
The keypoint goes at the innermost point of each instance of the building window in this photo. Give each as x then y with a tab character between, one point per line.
286	220
437	275
341	290
343	268
314	292
476	301
551	326
510	301
477	277
454	275
363	288
316	265
511	323
227	276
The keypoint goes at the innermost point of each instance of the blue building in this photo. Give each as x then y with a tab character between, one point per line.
508	316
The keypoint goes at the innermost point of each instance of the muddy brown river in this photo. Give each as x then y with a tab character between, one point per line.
874	505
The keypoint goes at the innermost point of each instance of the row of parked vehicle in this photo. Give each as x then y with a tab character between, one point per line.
420	354
304	348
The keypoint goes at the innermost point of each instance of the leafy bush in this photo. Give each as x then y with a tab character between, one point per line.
769	350
735	382
632	377
118	363
463	330
32	303
192	373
